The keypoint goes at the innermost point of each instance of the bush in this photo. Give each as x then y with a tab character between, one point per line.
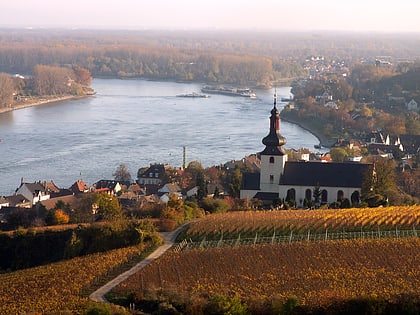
215	205
220	304
105	309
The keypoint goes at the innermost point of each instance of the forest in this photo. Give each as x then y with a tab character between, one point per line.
233	57
54	58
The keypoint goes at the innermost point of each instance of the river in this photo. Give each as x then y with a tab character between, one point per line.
135	122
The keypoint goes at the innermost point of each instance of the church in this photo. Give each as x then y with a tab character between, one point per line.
300	181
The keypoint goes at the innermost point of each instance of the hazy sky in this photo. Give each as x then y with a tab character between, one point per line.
354	15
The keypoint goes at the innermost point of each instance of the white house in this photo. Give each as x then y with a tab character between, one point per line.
297	181
3	202
331	104
34	192
412	105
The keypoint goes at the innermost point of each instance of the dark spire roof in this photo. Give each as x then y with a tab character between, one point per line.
274	141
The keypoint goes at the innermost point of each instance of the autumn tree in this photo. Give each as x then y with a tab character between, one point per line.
83	76
7	88
52	80
122	173
61	217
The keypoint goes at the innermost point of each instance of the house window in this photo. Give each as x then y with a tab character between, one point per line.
156	175
271	159
150	174
271	179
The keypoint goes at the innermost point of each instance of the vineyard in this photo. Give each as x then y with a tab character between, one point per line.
58	288
317	273
246	224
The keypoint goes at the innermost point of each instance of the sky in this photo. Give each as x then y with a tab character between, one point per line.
286	15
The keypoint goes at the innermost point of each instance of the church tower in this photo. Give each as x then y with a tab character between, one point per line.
273	157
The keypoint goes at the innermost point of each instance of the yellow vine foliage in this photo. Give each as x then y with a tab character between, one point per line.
302	221
318	273
56	288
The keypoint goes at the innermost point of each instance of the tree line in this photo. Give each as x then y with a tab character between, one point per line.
46	80
251	58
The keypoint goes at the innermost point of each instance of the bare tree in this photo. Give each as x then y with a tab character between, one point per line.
122	173
53	80
7	88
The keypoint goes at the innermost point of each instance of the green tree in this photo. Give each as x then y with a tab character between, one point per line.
108	207
379	183
235	182
212	205
202	186
338	154
317	195
220	304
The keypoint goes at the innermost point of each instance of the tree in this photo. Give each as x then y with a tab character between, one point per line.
235	182
317	195
202	186
379	183
7	88
338	154
108	207
52	80
83	76
122	173
61	217
84	208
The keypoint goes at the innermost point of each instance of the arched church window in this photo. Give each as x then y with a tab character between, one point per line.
340	195
271	179
324	196
271	159
308	194
355	198
291	195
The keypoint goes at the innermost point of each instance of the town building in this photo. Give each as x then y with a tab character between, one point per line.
34	192
297	181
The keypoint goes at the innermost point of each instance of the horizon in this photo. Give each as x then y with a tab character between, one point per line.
267	16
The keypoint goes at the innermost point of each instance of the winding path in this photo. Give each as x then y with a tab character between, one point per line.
169	239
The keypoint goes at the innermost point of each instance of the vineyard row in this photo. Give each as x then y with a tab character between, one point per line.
297	237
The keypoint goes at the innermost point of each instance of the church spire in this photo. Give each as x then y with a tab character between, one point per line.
274	141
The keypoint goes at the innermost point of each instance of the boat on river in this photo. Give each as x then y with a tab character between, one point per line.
229	91
193	94
287	99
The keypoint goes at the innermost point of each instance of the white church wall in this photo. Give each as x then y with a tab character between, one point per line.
332	192
271	172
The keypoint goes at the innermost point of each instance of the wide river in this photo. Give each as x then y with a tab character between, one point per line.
134	122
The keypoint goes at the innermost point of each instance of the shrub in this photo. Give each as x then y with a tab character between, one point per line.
220	304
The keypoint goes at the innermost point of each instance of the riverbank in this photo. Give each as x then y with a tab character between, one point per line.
323	139
37	101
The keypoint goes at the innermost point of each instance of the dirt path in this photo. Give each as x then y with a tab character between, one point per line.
169	239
